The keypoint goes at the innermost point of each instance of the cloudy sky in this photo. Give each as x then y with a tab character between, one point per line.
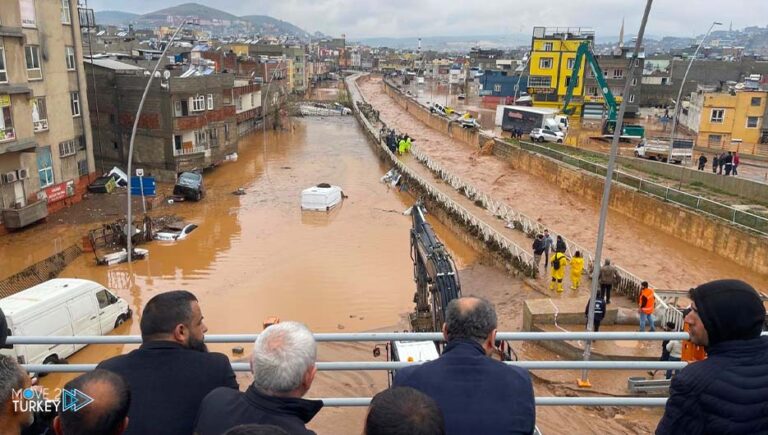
393	18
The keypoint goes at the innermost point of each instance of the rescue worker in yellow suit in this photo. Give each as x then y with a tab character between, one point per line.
408	143
558	263
577	267
402	146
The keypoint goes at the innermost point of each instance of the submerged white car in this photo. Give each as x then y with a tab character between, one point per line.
322	197
175	235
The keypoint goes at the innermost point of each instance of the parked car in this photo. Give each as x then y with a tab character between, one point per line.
437	108
190	186
105	184
60	307
544	135
469	122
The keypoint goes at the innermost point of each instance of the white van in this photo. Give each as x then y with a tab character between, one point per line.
63	307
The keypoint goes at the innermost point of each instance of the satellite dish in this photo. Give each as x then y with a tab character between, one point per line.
166	74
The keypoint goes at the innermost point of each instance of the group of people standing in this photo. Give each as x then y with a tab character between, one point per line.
723	164
517	133
543	244
398	143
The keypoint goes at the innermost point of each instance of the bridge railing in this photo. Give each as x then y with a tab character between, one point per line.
391	365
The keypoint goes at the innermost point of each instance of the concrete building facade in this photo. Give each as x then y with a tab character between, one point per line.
615	69
46	153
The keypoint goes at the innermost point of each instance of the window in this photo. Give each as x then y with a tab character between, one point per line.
568	81
717	115
70	58
210	101
198	103
82	167
497	87
631	98
253	99
634	81
103	299
32	56
3	72
592	90
540	82
618	73
549	46
239	104
756	101
67	148
75	100
201	138
752	121
226	132
181	108
213	136
65	14
45	166
637	62
27	9
570	64
714	139
545	63
6	121
177	142
39	114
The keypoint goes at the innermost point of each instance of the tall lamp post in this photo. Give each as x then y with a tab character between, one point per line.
129	214
264	111
678	102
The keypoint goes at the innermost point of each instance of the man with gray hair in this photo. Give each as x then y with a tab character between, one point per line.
477	394
283	366
14	414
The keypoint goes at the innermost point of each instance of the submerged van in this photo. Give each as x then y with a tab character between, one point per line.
60	307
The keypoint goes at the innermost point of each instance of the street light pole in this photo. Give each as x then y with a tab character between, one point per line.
129	214
584	380
265	114
678	102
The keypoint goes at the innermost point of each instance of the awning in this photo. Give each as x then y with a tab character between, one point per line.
14	89
19	145
11	32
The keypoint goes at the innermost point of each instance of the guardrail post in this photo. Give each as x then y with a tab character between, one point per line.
734	215
666	194
698	202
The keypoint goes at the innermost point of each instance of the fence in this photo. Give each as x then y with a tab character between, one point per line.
738	217
390	365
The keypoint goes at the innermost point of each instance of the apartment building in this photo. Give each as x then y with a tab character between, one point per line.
553	54
46	152
188	122
615	69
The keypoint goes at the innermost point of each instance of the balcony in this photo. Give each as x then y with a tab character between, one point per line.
191	150
15	218
41	125
8	134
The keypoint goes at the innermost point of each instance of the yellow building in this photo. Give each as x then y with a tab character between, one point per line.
553	53
722	119
239	49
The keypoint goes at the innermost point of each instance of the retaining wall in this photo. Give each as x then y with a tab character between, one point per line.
39	272
702	231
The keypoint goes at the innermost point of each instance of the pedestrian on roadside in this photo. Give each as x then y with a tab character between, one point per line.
608	278
646	303
577	267
549	245
559	262
599	312
538	250
560	245
721	163
702	162
715	163
728	391
669	327
728	163
736	161
675	349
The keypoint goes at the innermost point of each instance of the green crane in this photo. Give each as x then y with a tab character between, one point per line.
628	131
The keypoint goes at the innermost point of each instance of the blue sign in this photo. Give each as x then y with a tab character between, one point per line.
146	185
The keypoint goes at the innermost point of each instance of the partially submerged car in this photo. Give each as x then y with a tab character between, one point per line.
322	197
190	186
171	234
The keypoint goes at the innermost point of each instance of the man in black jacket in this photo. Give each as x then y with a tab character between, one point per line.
283	365
538	250
171	373
727	393
477	394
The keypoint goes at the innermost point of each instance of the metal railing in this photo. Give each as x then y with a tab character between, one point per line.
389	365
193	150
712	208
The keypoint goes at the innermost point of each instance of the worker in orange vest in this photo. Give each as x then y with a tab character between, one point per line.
647	303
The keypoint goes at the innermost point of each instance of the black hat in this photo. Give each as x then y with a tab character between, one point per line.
730	309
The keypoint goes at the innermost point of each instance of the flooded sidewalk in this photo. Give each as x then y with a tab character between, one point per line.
665	261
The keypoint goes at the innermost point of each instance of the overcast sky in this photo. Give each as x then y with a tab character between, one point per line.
393	18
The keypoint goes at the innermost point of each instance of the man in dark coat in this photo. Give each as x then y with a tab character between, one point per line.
283	365
477	394
727	393
171	373
599	311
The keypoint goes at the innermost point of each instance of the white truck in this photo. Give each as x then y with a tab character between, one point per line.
527	118
658	149
60	307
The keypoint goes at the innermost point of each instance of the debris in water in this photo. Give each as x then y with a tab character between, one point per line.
340	326
238	350
239	191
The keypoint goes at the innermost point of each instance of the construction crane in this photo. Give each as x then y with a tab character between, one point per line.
628	131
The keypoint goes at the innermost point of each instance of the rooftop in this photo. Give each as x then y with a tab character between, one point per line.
113	65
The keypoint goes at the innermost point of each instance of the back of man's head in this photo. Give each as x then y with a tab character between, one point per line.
404	411
164	312
283	356
3	329
471	318
106	414
256	429
13	379
729	309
